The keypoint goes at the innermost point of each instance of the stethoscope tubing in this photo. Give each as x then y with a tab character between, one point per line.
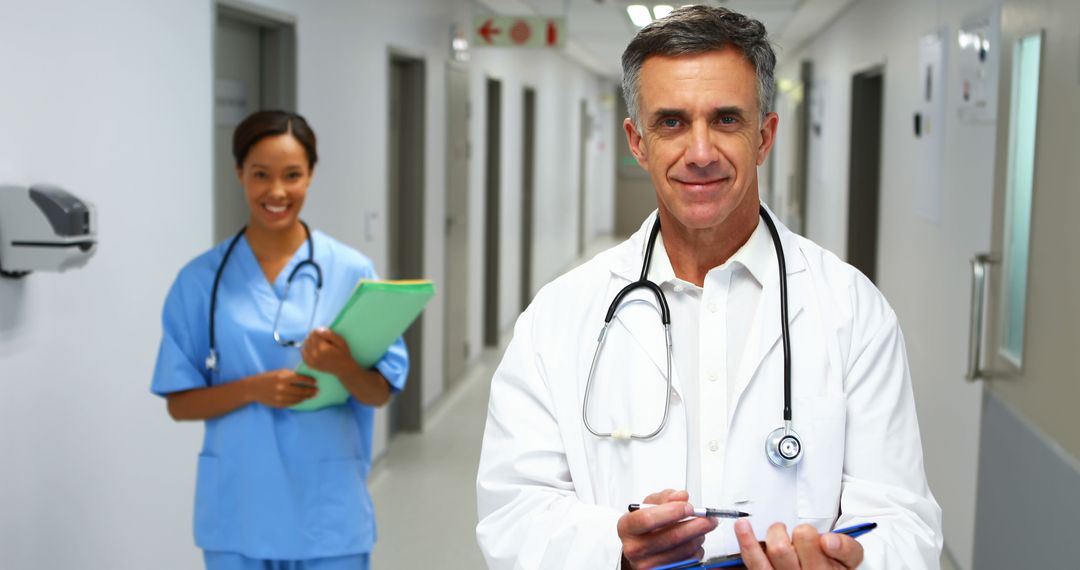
785	335
665	317
588	388
212	359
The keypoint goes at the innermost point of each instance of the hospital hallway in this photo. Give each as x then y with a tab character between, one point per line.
477	150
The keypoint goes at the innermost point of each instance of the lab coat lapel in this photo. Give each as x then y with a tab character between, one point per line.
764	335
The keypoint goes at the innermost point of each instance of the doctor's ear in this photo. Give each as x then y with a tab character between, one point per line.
634	141
768	136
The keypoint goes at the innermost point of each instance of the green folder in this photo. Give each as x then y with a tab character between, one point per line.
376	314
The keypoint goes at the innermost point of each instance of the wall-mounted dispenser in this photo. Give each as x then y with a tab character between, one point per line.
44	228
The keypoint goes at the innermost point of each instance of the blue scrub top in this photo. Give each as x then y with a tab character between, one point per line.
273	483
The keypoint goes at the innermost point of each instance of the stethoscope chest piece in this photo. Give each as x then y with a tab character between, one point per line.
783	446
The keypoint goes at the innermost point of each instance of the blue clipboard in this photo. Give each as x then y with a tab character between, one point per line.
735	560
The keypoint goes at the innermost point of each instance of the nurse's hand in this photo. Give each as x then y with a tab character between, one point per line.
281	388
326	351
805	549
654	537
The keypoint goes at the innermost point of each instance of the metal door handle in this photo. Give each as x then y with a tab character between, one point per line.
979	266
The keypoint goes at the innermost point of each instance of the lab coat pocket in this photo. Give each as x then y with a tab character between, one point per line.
342	520
207	500
821	470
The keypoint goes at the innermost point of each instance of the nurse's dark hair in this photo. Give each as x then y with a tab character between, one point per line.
262	124
694	30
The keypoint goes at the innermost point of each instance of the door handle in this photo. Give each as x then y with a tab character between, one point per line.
979	266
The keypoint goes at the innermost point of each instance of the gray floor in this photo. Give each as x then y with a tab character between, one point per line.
437	468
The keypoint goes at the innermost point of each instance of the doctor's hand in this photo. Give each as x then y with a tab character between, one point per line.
326	351
280	388
805	549
654	537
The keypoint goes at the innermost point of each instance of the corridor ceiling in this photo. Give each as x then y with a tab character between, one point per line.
598	30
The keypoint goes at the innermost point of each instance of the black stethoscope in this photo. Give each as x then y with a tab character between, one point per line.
212	359
782	446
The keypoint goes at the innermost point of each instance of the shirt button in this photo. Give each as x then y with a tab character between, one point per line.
714	445
713	377
712	307
679	288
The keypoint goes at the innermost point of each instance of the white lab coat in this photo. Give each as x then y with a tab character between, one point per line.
550	493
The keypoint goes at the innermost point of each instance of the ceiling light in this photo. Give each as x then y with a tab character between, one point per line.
639	15
661	10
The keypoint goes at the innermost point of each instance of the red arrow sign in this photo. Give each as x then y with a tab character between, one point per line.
519	31
488	30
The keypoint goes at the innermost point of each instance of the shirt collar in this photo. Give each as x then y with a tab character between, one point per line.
756	255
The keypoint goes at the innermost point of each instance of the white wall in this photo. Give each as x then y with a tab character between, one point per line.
923	263
112	100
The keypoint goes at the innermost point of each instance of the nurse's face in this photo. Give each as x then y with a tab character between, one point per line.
275	176
702	137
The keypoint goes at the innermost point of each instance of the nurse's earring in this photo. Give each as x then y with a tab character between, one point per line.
783	446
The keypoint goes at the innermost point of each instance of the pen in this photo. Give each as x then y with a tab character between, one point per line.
699	511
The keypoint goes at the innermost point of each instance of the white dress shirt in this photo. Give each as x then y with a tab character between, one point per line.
708	334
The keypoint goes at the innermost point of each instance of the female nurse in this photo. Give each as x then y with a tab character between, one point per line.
276	488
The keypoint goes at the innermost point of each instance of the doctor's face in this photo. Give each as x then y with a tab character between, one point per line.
701	137
275	176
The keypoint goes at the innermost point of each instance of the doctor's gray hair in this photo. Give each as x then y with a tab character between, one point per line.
694	30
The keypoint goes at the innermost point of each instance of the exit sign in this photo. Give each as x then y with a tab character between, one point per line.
519	31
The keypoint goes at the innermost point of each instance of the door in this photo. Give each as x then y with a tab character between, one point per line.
795	205
583	170
528	156
405	205
254	69
492	174
456	346
864	171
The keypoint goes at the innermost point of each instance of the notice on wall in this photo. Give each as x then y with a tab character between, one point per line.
928	126
978	56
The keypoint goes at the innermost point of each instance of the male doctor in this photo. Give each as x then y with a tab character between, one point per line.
553	493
